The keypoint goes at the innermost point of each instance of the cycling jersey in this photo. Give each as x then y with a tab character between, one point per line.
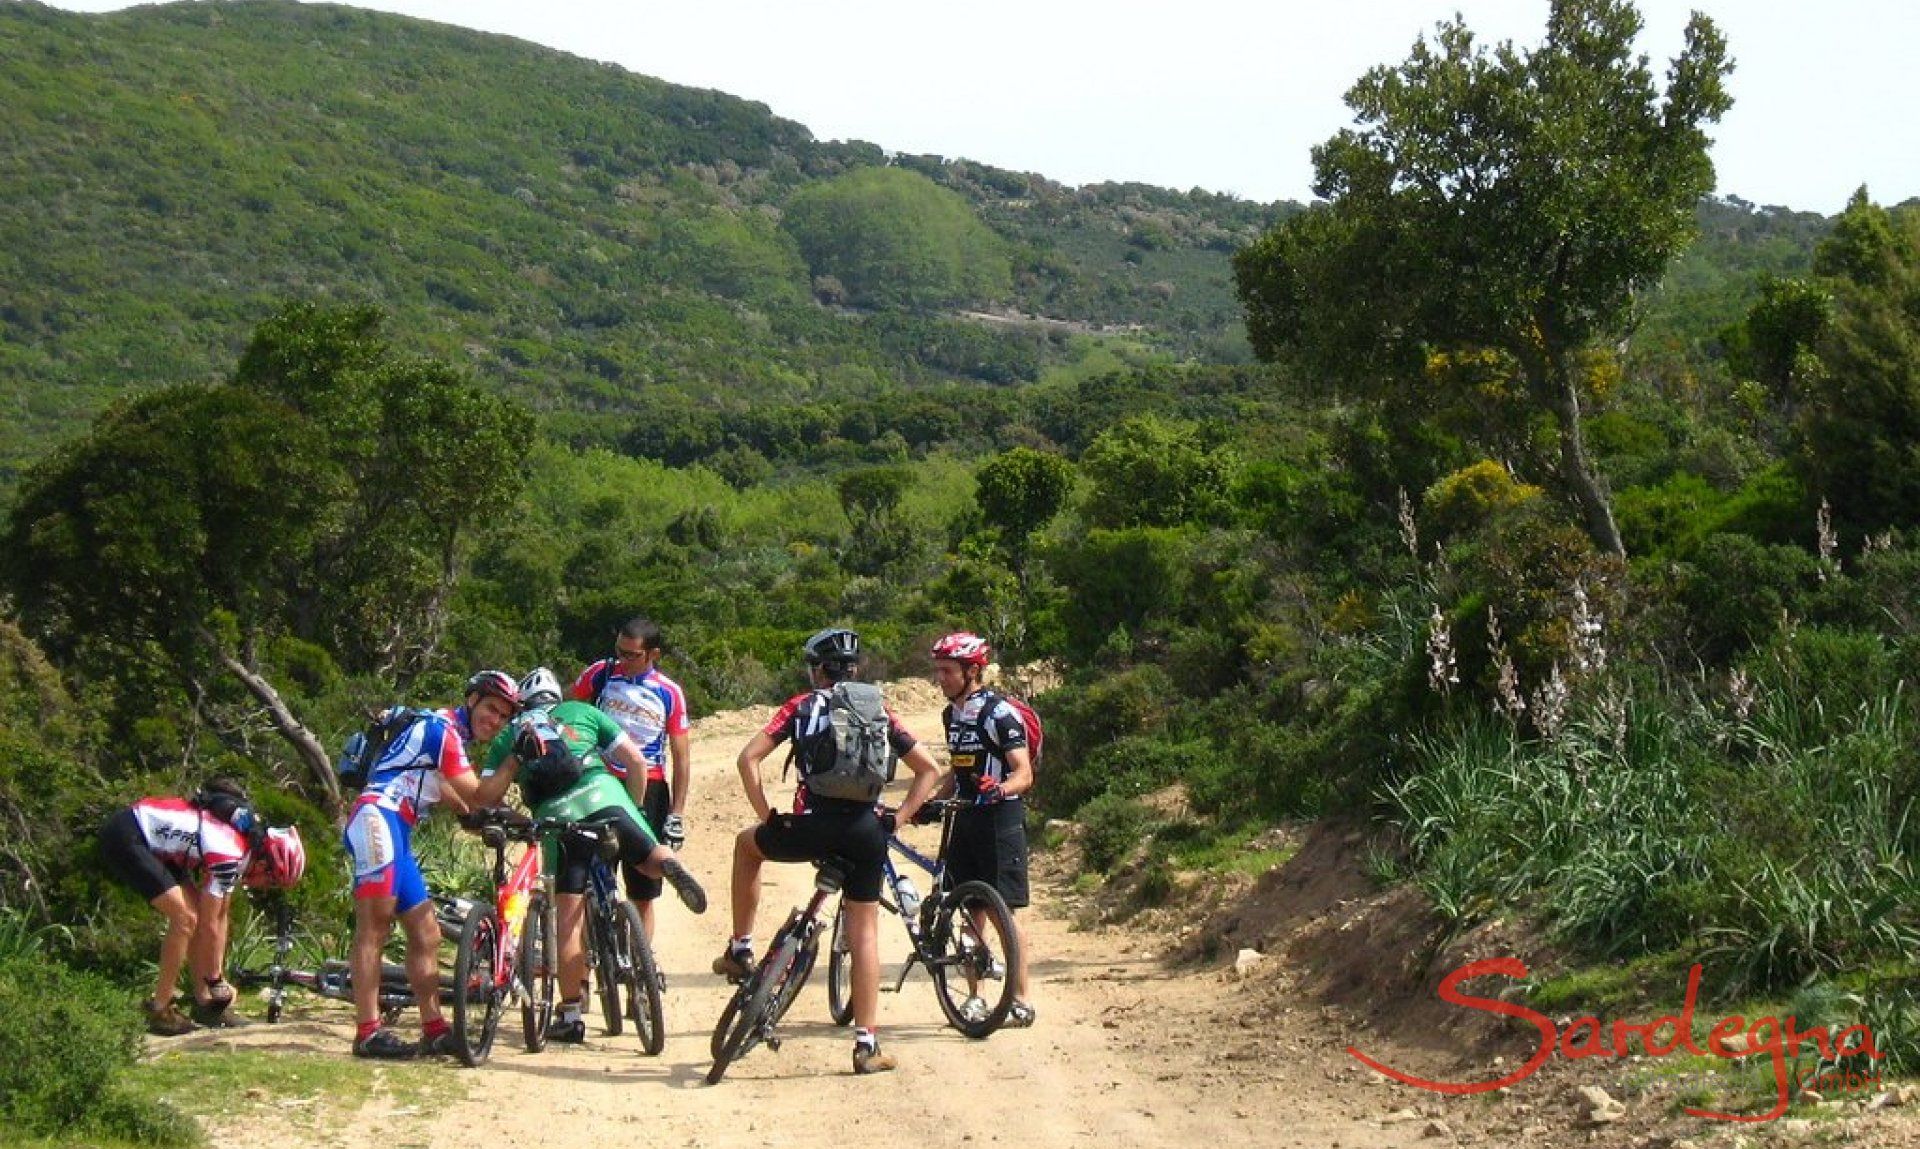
406	779
591	734
982	729
650	708
184	837
804	720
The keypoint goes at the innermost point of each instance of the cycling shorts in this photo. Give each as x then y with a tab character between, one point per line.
989	844
380	844
852	834
130	860
574	863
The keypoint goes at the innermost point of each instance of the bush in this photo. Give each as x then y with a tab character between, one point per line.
67	1035
1110	827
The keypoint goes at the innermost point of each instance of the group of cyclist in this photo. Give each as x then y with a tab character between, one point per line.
613	746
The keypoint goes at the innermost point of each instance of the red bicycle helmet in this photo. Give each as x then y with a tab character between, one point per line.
498	683
280	859
964	647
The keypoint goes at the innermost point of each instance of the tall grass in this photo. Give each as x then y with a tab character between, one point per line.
1776	844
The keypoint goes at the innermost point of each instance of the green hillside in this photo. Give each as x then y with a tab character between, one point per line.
586	237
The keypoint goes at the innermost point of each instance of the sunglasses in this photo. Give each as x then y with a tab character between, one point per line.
623	652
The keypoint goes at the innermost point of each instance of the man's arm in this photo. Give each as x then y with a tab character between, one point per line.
680	750
926	779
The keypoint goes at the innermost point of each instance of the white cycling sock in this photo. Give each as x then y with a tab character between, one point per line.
867	1038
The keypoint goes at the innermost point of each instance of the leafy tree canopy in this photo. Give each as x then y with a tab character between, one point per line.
1509	199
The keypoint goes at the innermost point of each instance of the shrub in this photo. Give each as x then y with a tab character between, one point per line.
1110	827
67	1035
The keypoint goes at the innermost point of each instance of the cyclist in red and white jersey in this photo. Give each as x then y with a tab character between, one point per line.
424	765
652	709
821	827
185	856
987	749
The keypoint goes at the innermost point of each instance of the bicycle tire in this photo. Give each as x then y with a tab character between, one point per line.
840	971
642	979
797	978
750	1012
477	996
973	936
537	971
606	972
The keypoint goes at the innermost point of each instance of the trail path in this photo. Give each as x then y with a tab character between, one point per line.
1124	1052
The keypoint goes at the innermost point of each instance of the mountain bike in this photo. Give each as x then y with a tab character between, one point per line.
506	951
759	1003
332	978
618	953
963	935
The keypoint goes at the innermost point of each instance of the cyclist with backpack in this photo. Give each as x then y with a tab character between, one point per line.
424	763
841	734
653	710
156	845
989	746
559	753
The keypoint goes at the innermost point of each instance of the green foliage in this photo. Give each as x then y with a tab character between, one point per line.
70	1036
1148	472
1859	426
1736	591
1021	491
894	238
1123	580
1112	826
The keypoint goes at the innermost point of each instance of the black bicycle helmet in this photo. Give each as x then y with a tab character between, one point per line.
834	646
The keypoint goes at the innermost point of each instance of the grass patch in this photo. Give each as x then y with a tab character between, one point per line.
309	1089
1655	982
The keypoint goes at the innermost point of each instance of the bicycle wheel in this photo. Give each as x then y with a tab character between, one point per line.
750	1013
797	978
641	979
840	971
537	972
606	970
974	950
477	995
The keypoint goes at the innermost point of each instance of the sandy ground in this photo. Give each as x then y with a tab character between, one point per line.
1130	1048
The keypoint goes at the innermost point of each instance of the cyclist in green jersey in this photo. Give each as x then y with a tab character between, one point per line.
557	754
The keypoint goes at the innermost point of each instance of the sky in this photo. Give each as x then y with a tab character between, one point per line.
1226	95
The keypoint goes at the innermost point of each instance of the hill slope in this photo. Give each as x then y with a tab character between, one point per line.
582	234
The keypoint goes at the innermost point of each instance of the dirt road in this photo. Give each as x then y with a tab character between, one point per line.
1124	1052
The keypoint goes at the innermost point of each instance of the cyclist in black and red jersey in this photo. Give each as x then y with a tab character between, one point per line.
987	747
823	827
156	845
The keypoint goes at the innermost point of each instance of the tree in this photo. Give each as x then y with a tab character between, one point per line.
871	498
1510	201
1149	471
322	494
1020	492
1858	426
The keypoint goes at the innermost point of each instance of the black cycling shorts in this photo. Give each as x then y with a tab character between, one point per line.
576	858
656	806
851	833
131	861
989	845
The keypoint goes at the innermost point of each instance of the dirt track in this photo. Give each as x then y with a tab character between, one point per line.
1123	1053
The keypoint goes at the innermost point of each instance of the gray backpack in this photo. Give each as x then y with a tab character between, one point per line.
851	759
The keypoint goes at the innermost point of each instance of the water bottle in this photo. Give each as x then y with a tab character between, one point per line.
908	897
